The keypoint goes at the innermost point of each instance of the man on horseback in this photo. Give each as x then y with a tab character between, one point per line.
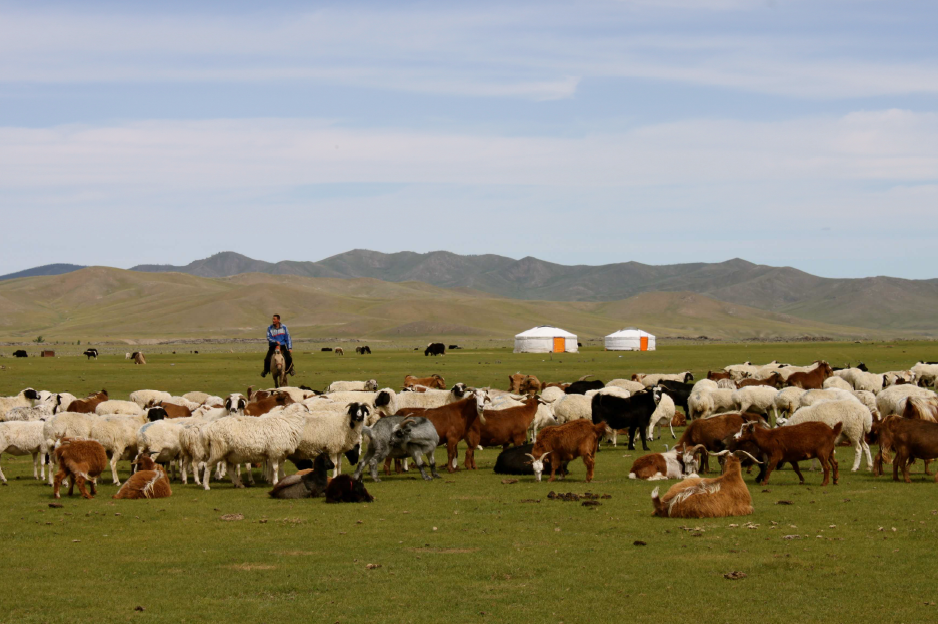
278	336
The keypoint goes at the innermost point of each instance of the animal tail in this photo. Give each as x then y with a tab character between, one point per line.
661	509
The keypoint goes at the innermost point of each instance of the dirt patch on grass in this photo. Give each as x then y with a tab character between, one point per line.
444	551
250	567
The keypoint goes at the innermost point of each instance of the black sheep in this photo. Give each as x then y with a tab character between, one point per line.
308	485
345	489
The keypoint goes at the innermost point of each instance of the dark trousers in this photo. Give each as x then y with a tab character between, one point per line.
287	356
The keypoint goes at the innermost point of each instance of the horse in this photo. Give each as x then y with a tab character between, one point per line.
278	368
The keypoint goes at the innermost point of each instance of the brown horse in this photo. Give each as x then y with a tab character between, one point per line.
278	368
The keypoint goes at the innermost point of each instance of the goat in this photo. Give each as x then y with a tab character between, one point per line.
710	432
397	437
263	406
726	495
433	381
345	489
517	461
577	438
88	404
678	391
909	439
668	465
453	421
502	428
80	461
633	413
308	483
795	443
583	386
811	380
774	380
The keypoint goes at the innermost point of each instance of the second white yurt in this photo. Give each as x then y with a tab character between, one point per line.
630	339
545	339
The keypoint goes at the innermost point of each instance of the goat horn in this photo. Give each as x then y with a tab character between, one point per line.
531	456
699	446
750	455
720	454
545	455
585	377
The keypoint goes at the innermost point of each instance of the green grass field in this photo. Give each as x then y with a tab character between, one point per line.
468	548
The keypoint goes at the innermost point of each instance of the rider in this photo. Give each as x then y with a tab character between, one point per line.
278	335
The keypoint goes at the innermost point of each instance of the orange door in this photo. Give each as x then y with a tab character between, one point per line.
560	345
643	342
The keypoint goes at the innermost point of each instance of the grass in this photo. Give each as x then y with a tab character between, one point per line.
468	548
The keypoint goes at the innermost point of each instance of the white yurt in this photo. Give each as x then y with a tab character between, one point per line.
545	339
630	339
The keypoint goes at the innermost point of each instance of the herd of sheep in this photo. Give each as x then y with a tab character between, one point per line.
200	434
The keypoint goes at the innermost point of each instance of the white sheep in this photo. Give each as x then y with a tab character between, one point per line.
708	403
184	402
118	436
27	397
149	398
787	400
868	381
891	377
810	397
868	399
160	440
704	385
192	451
297	394
837	382
887	401
113	407
726	384
240	439
197	396
925	374
42	410
738	372
344	386
628	384
757	399
653	379
333	430
551	394
24	438
572	407
856	419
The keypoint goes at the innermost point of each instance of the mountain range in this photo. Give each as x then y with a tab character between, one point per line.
876	303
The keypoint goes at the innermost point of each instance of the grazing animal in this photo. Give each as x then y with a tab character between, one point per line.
710	432
326	349
910	440
516	460
502	428
679	393
20	353
435	348
306	483
433	381
853	415
149	481
339	351
633	413
775	380
79	461
727	495
24	438
345	489
138	357
454	421
578	438
398	437
796	443
363	350
91	353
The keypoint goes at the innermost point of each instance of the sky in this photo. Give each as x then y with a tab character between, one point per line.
790	133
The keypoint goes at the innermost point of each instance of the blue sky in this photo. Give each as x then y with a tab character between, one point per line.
662	131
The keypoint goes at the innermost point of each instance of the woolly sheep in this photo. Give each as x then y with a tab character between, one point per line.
27	397
925	374
344	386
148	398
333	430
572	407
891	377
118	436
239	439
117	408
704	385
888	401
869	400
628	384
757	399
197	397
704	404
183	402
837	382
726	384
549	395
868	381
159	440
42	410
654	379
24	438
831	394
738	372
856	419
787	400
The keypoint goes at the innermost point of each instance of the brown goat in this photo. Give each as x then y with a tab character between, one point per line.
673	464
710	432
909	439
772	380
717	375
79	460
174	411
502	428
796	443
149	481
259	408
566	442
727	495
453	421
87	405
433	381
812	380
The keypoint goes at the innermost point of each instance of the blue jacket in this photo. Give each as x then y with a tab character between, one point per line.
281	336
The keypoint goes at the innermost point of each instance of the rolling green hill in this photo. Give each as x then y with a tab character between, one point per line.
109	304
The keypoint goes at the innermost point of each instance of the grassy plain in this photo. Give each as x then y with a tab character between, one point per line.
469	548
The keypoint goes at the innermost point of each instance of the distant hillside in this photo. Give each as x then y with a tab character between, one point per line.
100	303
47	269
875	302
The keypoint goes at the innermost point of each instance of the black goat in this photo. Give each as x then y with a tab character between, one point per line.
517	461
581	387
308	485
633	413
678	391
345	489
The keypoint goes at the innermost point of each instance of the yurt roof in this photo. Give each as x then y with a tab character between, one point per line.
546	331
629	332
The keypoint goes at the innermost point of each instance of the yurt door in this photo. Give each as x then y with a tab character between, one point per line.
560	345
643	343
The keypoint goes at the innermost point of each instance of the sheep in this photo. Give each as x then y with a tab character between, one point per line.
198	397
739	372
704	385
671	464
160	440
663	415
726	495
652	380
628	384
79	460
925	374
388	402
24	438
888	401
148	398
43	410
149	481
181	402
118	436
787	400
117	408
238	439
572	407
26	398
856	419
344	386
892	378
704	404
811	397
551	394
788	371
335	431
297	394
836	382
868	381
757	399
869	400
726	384
309	483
